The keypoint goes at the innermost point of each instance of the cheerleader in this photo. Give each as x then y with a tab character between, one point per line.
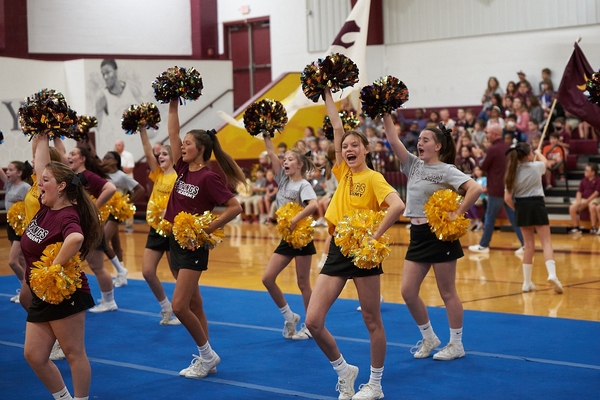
197	189
359	188
17	182
292	187
523	182
433	169
83	162
65	213
163	176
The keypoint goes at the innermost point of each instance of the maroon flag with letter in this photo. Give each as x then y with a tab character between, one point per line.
572	87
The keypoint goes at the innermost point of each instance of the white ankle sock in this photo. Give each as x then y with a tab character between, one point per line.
206	352
287	313
62	394
527	268
117	264
456	335
165	304
81	398
108	297
427	330
376	374
340	366
551	268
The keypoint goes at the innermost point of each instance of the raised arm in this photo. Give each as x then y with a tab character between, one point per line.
336	123
42	154
173	127
150	159
393	139
275	163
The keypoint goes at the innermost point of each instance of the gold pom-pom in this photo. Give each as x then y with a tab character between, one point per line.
17	218
154	216
104	210
190	231
54	283
353	234
120	206
437	208
304	231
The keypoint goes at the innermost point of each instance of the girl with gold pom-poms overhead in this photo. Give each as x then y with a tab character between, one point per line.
296	202
384	96
178	83
361	193
436	213
47	111
197	191
61	234
264	117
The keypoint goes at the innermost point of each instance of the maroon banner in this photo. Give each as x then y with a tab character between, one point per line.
572	87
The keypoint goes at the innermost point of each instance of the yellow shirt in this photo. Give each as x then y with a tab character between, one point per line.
365	190
163	185
32	202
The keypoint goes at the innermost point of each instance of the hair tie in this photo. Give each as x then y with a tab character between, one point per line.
212	133
516	147
28	166
446	132
308	154
79	178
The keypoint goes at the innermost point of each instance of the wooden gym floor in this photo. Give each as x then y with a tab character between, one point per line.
486	282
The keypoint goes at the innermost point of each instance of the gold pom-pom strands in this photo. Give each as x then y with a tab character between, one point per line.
264	117
54	283
437	208
304	231
385	95
154	216
17	217
189	231
353	234
138	116
335	72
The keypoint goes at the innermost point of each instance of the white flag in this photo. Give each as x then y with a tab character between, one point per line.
350	41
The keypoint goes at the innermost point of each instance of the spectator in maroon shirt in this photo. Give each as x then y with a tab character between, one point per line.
494	166
586	197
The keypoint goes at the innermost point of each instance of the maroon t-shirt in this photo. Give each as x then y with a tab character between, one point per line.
95	183
196	192
494	166
587	187
47	227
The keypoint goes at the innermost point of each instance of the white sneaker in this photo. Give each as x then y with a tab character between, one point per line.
121	278
520	251
368	392
104	307
450	352
479	249
345	385
168	318
15	298
556	284
201	367
424	347
302	334
528	287
57	353
196	359
289	328
359	308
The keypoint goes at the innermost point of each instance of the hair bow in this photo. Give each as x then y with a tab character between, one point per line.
446	132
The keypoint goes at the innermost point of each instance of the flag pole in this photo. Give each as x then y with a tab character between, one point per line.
547	123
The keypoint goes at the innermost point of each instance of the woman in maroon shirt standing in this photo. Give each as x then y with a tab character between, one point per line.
83	162
66	211
197	189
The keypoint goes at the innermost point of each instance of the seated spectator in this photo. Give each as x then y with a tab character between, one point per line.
507	105
379	157
495	117
520	111
258	188
244	195
586	197
281	148
373	135
533	107
434	118
445	118
470	120
535	141
546	76
419	118
555	154
264	161
564	138
411	138
479	132
511	127
508	138
266	212
546	97
493	87
465	161
534	130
